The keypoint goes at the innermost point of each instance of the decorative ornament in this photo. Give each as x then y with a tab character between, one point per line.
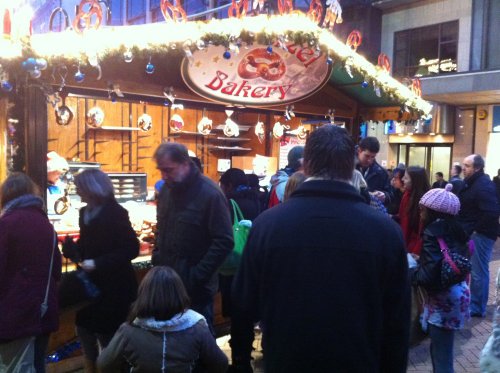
168	92
270	49
95	117
94	62
173	12
278	130
365	84
260	130
87	11
230	128
176	123
145	122
237	9
6	86
301	132
315	11
53	16
333	14
377	90
258	6
330	114
347	66
36	73
416	87
384	62
289	114
260	63
205	125
286	7
41	63
128	56
79	76
329	60
226	54
29	64
62	71
7	23
63	114
150	68
354	40
200	44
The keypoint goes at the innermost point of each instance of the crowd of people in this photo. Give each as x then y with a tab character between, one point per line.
334	248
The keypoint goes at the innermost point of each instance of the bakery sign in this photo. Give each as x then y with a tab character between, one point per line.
257	75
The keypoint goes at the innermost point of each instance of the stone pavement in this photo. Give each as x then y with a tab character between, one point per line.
468	341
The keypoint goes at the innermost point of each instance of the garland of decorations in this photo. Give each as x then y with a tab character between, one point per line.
91	45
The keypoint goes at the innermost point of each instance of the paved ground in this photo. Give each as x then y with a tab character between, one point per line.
468	342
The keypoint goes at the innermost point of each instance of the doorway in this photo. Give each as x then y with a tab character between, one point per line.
433	157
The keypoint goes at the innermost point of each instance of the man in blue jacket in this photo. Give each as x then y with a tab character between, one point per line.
375	176
479	215
325	273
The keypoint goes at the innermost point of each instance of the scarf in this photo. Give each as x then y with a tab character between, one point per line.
26	200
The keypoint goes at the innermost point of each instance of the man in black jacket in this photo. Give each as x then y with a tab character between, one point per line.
479	216
325	273
194	231
375	176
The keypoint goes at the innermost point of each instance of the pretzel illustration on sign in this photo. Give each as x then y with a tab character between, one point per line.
172	12
259	63
333	14
384	62
315	11
83	20
416	87
285	6
53	15
354	39
237	9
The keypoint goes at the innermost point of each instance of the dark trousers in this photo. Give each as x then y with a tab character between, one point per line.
41	344
441	349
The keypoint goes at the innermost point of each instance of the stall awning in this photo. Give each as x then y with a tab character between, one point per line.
105	48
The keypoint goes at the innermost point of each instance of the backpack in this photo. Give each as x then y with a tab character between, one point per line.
241	230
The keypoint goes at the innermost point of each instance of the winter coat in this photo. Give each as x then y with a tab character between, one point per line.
110	240
411	233
457	183
147	345
377	179
327	275
248	202
479	206
194	234
26	245
428	272
278	184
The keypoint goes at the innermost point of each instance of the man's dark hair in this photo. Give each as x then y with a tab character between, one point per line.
177	152
294	156
440	174
458	169
370	143
328	153
478	162
234	177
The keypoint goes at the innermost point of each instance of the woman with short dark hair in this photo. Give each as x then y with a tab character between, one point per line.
162	334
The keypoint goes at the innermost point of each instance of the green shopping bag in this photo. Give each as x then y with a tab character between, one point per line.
241	230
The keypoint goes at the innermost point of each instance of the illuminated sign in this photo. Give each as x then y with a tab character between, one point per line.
258	75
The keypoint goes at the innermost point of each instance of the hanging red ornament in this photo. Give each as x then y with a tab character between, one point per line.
384	62
7	25
238	9
315	11
354	39
173	12
416	87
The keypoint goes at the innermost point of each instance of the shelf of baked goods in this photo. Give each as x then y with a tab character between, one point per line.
114	128
231	148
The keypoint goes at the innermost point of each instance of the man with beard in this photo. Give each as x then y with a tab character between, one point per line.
194	232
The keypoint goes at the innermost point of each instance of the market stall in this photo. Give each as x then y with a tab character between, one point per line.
236	91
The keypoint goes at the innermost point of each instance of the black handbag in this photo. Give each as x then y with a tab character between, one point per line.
454	267
77	290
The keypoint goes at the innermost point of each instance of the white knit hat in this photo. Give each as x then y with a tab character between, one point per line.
56	163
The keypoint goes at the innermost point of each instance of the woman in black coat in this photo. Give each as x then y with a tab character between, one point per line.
106	246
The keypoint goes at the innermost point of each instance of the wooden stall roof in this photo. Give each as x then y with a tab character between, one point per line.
166	43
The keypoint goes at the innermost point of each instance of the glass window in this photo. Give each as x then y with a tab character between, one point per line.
136	12
492	50
426	50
